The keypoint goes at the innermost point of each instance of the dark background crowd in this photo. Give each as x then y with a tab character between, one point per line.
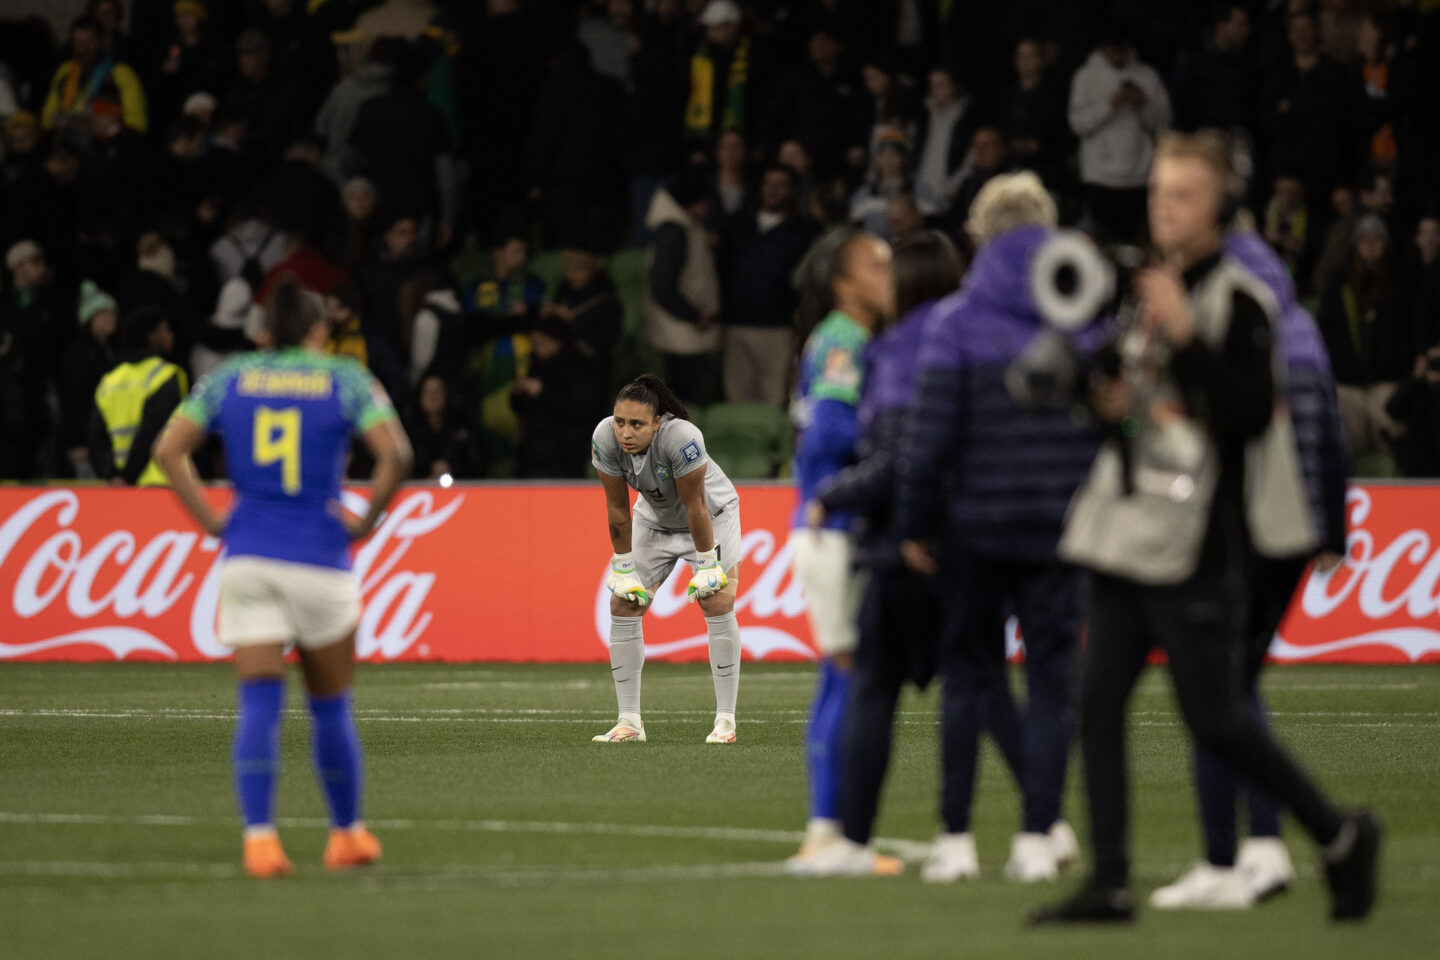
510	207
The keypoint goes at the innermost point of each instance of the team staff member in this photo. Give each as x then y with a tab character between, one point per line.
995	479
134	400
1196	476
688	510
285	419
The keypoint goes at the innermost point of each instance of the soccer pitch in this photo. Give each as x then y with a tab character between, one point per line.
509	834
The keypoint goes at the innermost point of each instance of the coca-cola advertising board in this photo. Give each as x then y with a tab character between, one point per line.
516	573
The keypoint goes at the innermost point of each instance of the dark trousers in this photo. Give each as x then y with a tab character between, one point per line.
899	636
1272	584
1045	599
1200	626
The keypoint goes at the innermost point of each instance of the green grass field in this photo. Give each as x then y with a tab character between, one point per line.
508	834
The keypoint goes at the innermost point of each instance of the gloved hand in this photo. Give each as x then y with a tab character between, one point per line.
624	582
709	577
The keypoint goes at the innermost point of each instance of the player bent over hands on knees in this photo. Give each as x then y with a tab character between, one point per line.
285	418
687	510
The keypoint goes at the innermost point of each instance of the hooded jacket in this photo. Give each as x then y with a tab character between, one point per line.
698	284
1005	473
1116	143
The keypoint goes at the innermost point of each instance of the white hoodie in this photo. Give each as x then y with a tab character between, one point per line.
1116	144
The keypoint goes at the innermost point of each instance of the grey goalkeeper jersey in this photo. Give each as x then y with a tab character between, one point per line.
677	449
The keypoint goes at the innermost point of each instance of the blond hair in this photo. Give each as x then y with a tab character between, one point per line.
1210	147
1008	201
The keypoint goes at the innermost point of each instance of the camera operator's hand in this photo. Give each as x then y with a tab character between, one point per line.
1165	304
918	557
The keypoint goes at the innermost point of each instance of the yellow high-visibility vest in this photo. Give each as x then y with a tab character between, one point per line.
121	398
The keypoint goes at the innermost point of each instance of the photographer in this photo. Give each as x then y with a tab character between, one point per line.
1195	478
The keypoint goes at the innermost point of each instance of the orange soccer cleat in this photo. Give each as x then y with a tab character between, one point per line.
351	847
264	857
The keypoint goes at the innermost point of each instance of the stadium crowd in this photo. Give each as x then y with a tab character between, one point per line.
510	207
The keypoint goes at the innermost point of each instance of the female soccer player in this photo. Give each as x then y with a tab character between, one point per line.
285	419
848	289
688	510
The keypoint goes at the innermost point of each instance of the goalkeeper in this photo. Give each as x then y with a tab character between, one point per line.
687	510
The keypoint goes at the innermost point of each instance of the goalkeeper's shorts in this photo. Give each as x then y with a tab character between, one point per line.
657	551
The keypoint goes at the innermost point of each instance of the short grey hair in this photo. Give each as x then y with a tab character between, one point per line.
1008	201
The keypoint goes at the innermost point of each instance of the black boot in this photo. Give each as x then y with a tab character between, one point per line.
1091	904
1352	875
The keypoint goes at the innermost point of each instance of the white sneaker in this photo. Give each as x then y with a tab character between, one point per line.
724	732
1032	859
1265	864
952	857
1064	845
622	733
1204	887
844	858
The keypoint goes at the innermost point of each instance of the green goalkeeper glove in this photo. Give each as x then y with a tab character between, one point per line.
709	577
623	580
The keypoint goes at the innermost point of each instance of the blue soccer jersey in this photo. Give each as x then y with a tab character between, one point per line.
832	371
285	419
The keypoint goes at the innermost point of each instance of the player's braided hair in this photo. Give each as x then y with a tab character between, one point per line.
651	390
293	312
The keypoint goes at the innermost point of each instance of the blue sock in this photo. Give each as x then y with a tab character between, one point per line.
823	741
256	749
338	762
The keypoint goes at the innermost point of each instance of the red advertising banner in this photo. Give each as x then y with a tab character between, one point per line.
516	573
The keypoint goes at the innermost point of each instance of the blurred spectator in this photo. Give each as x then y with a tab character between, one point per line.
186	64
891	106
249	248
112	171
608	33
401	145
151	279
443	444
904	217
572	151
1421	294
22	155
354	241
344	312
1415	409
110	30
1031	116
39	312
223	334
682	304
648	138
133	401
17	446
1289	226
298	51
792	153
88	357
731	179
1376	56
1307	110
554	403
816	102
1339	26
869	206
266	98
401	257
946	126
589	304
308	265
1335	247
89	72
989	157
304	198
178	180
759	251
719	79
1213	85
336	119
1117	106
436	335
1366	336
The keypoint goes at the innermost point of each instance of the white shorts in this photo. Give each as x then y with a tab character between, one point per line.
275	601
833	588
657	551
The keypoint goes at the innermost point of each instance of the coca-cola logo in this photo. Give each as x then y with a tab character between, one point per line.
119	578
768	593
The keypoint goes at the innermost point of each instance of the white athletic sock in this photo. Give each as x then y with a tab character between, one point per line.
627	659
725	660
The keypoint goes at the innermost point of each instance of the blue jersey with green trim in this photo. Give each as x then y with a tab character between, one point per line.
285	419
827	394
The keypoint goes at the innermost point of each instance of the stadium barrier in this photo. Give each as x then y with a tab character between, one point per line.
510	572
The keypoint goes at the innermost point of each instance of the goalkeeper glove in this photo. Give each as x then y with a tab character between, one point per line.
624	582
709	578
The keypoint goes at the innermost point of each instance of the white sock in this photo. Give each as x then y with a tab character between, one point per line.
627	659
725	661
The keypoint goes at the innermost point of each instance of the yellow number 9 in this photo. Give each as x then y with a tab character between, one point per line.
277	440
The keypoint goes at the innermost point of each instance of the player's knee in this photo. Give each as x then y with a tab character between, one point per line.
620	607
719	604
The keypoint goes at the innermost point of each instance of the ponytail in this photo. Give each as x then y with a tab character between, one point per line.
654	393
293	312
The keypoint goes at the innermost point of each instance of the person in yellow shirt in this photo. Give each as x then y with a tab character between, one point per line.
91	71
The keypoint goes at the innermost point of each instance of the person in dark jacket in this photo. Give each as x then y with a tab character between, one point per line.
1213	85
817	103
590	306
1031	115
553	401
987	482
759	251
443	445
88	357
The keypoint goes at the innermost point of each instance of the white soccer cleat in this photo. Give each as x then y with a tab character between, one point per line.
1032	859
1064	844
622	733
844	858
1205	887
724	732
952	857
1265	864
